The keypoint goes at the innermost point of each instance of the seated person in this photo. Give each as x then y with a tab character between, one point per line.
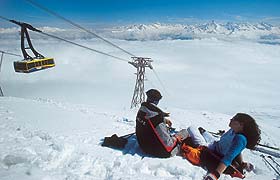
153	134
243	133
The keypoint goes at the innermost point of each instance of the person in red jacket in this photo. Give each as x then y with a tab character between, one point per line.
152	129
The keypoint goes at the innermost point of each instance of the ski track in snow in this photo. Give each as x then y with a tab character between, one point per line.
28	153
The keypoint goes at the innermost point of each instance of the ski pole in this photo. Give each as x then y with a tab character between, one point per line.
270	164
266	151
275	148
127	135
274	160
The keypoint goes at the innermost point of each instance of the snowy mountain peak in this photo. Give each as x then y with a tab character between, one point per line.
161	31
209	27
158	31
142	27
264	26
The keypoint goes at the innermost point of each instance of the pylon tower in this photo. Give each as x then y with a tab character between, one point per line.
140	63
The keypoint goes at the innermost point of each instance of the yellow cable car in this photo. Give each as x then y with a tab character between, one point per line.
28	66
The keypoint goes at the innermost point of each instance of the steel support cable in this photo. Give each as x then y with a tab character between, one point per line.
82	46
85	46
12	54
161	83
76	25
1	60
4	18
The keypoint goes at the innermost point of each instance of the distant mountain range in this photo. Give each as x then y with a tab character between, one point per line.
211	27
158	31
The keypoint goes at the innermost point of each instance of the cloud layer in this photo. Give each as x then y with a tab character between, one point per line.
261	32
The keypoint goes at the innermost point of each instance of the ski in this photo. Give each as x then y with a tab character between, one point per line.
267	162
274	148
268	152
274	161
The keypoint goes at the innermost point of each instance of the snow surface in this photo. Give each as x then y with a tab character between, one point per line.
53	121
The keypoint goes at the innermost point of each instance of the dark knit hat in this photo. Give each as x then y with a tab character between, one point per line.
153	95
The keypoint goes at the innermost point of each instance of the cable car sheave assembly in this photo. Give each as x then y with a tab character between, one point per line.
30	64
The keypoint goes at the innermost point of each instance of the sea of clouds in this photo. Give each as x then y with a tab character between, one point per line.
259	32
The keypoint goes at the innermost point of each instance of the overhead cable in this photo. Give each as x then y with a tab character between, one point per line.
12	54
82	46
76	25
4	18
56	37
161	83
80	27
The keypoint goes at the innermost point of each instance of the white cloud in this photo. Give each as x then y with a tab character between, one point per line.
159	31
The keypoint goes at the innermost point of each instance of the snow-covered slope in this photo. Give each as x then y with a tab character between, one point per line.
43	139
52	122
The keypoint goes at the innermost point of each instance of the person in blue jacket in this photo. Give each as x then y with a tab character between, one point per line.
243	133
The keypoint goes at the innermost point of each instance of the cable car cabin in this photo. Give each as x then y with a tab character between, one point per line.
29	66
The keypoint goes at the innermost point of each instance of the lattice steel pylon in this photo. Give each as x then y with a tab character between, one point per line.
140	63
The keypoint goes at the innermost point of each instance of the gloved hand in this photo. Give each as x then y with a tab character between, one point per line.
221	132
166	114
168	122
212	176
201	130
247	166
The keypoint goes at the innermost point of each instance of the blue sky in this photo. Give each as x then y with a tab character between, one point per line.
114	12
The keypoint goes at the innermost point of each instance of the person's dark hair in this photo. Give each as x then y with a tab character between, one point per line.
250	129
